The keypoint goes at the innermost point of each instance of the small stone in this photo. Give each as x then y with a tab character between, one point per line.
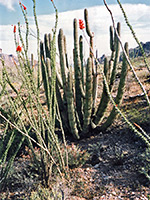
114	193
96	166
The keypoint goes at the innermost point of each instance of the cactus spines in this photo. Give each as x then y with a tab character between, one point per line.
32	61
46	74
95	83
50	41
47	46
71	110
65	51
88	97
48	67
117	53
94	71
62	108
79	93
62	58
112	38
42	60
81	58
90	34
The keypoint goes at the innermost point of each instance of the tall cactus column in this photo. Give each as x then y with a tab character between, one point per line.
94	69
62	59
71	108
88	97
115	47
120	92
81	58
79	93
67	102
111	74
104	99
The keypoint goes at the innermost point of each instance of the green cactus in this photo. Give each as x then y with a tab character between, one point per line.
47	46
46	73
120	92
81	58
110	73
94	71
89	33
65	49
32	60
62	109
81	107
79	93
50	42
112	47
62	58
71	108
88	97
77	107
104	99
116	47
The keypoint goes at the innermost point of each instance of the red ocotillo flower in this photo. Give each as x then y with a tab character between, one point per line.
14	28
24	7
81	24
19	48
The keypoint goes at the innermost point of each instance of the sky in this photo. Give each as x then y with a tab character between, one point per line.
138	12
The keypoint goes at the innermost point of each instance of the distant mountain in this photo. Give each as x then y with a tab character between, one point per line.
9	60
136	52
133	52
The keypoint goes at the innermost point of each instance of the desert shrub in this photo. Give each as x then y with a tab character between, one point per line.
43	193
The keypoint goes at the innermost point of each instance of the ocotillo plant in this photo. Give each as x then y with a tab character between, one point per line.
77	95
26	115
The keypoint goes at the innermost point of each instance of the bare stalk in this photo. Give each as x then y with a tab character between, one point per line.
127	58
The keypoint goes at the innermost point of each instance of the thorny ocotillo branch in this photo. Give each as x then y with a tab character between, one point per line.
26	135
134	35
127	58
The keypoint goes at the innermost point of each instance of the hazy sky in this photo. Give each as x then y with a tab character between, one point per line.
138	12
10	12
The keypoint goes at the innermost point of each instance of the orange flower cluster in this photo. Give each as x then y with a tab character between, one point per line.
81	24
24	7
19	48
14	28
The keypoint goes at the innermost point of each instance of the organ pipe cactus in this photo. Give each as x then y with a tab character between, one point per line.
81	58
75	86
119	95
110	72
88	97
94	69
71	108
79	93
